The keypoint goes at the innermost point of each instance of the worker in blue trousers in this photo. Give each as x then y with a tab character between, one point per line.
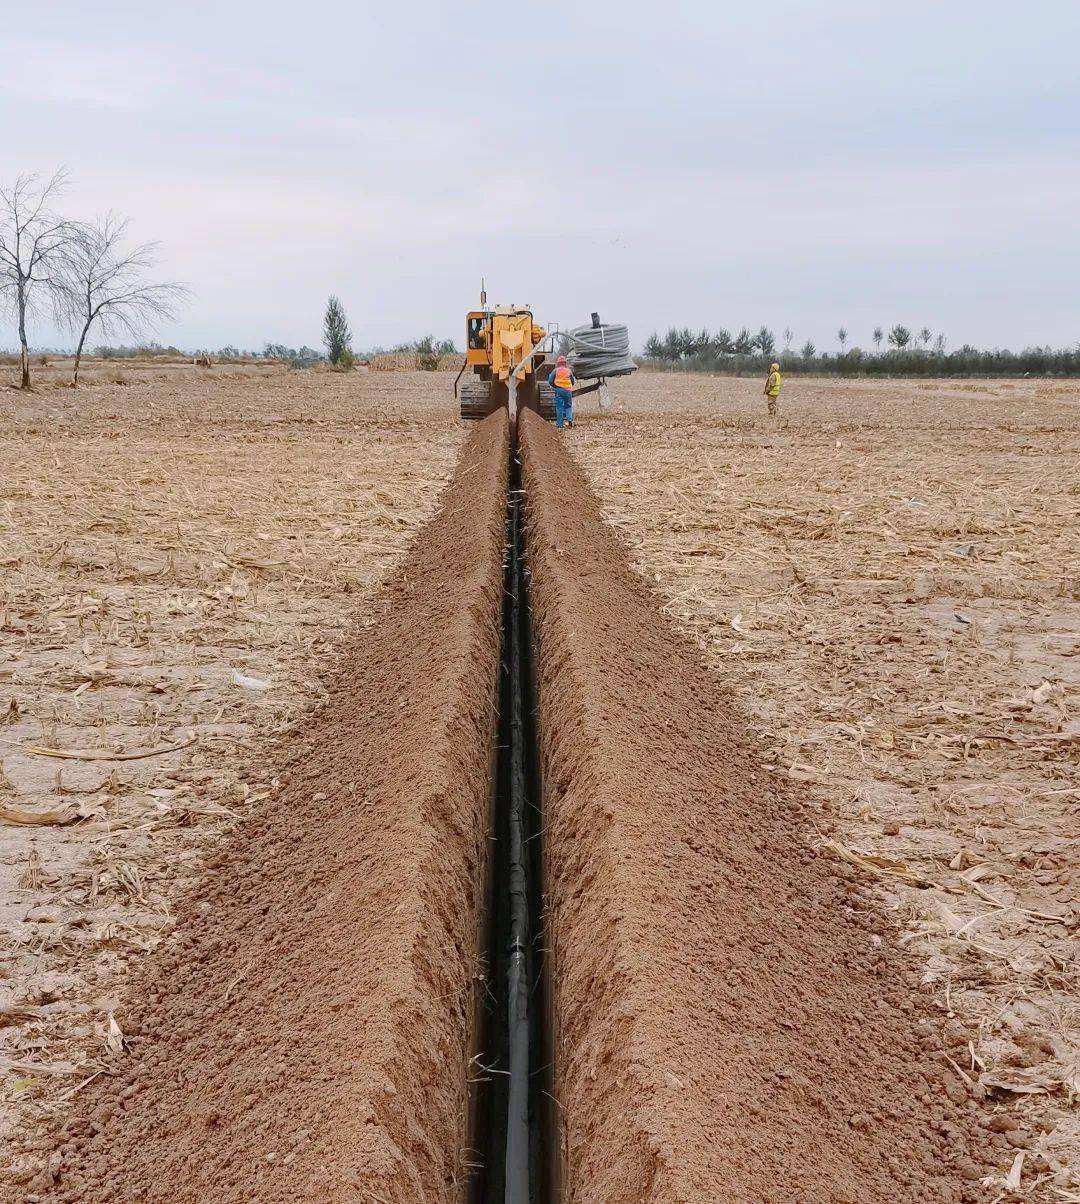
562	380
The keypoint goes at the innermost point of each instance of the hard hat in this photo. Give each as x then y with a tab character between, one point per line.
774	367
561	359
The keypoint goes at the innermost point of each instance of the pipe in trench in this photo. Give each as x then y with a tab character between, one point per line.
513	1114
517	1190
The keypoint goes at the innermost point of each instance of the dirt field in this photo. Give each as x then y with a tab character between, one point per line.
813	918
305	1032
736	992
180	556
889	577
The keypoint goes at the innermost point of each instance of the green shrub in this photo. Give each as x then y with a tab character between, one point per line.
427	354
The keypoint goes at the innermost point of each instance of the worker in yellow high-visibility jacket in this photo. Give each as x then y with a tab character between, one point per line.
772	386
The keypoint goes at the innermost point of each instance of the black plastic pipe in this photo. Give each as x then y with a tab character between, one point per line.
518	1172
513	1122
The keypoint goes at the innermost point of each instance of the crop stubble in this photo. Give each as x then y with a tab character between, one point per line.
157	538
652	1003
733	1023
888	577
304	1033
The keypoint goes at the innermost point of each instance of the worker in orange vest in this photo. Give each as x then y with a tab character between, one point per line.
562	380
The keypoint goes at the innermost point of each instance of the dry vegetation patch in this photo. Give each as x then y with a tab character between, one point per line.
890	578
178	558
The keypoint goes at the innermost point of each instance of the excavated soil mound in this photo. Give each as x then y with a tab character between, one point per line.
307	1026
732	1021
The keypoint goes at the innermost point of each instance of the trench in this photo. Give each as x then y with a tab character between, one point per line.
784	1055
513	1138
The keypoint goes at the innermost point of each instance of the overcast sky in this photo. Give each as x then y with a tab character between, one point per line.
799	164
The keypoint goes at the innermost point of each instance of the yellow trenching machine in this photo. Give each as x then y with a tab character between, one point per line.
505	350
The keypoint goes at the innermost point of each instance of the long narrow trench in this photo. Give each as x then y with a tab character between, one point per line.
513	1112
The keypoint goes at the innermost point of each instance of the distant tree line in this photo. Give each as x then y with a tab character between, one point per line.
279	351
152	350
428	350
124	351
906	352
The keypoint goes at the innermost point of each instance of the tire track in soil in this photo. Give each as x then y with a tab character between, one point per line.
303	1034
732	1020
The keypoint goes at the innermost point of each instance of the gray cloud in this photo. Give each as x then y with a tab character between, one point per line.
788	163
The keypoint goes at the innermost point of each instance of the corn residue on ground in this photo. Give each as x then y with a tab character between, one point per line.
179	555
889	577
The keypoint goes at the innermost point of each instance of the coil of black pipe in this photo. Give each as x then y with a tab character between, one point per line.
598	351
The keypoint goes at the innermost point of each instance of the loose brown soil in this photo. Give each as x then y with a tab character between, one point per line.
162	543
733	1020
305	1028
887	576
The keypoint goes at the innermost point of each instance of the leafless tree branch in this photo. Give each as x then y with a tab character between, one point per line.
105	284
35	244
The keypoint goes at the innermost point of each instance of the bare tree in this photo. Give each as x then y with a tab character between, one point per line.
35	244
104	282
788	336
925	335
841	338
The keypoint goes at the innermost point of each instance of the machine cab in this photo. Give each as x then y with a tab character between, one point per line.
477	337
